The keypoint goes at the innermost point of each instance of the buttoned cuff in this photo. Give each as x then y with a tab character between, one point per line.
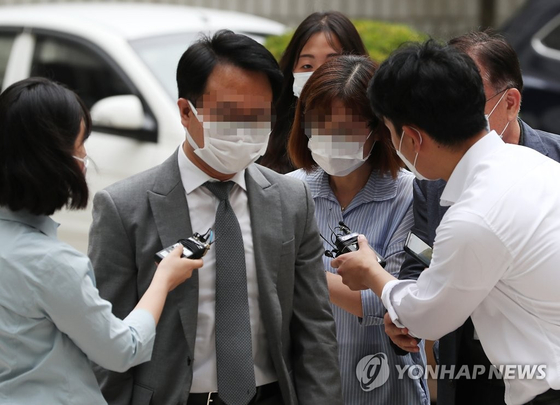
391	298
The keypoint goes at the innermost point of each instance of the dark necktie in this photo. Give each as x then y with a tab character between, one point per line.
234	356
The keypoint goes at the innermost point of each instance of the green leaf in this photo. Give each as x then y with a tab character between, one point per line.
380	38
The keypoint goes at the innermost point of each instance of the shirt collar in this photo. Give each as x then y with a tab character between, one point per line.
42	223
463	172
380	187
192	177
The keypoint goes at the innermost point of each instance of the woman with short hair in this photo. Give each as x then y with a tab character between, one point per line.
345	154
52	319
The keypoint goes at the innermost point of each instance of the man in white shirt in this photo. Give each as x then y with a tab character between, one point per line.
254	326
461	349
496	251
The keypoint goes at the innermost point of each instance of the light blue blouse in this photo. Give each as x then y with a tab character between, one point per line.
382	211
52	319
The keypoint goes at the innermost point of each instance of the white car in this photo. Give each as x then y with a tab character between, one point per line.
121	58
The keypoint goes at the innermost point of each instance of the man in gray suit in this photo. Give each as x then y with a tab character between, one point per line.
262	335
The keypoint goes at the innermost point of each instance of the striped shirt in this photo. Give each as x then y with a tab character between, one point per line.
382	211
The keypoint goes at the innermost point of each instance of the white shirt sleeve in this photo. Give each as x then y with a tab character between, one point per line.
71	300
467	263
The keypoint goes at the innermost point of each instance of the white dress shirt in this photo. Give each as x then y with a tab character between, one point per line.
497	259
202	211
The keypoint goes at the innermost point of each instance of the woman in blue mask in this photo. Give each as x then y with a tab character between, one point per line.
318	38
355	176
52	320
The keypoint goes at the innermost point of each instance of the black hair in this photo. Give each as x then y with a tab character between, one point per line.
333	24
225	47
497	57
433	87
39	123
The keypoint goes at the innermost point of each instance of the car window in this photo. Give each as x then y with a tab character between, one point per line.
552	40
162	53
6	42
78	67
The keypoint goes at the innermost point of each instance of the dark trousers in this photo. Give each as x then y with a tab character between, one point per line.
484	390
268	394
550	397
479	392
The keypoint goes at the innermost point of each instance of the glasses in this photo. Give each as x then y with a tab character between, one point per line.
84	160
499	92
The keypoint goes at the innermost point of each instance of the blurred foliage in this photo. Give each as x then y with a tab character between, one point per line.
380	38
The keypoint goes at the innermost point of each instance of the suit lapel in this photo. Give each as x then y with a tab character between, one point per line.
266	226
171	215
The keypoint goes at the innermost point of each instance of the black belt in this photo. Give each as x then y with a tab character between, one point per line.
550	397
212	398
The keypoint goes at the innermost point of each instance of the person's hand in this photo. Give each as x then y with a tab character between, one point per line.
171	271
356	268
400	336
174	270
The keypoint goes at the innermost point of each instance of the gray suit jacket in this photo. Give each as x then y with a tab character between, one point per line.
139	216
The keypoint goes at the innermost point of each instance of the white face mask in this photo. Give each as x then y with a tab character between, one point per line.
230	147
487	116
85	162
299	81
411	166
336	156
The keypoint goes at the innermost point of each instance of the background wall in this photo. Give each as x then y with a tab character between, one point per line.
438	18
